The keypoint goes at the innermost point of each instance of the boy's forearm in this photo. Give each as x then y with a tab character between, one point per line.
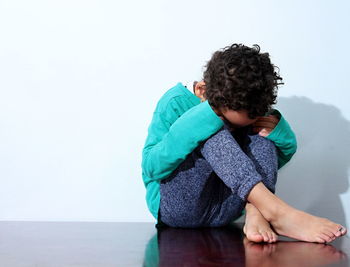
284	139
185	134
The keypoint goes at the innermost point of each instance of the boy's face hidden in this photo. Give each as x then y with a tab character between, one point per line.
237	118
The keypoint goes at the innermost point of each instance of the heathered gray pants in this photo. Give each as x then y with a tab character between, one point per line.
209	188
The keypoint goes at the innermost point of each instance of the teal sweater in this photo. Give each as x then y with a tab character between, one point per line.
180	123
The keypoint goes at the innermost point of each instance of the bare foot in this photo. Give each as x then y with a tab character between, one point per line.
256	227
305	227
288	221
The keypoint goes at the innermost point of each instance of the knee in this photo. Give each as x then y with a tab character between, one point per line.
219	136
266	144
221	139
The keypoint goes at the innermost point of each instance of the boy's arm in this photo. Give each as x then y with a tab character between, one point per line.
185	134
284	138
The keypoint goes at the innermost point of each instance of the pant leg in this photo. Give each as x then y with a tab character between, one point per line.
192	193
230	163
263	154
210	186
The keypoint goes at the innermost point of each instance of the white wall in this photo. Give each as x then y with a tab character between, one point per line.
79	81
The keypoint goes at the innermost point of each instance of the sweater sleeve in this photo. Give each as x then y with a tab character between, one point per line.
284	138
185	134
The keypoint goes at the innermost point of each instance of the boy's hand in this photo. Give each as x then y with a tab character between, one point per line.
265	125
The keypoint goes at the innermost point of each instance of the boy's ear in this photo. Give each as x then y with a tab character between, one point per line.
199	89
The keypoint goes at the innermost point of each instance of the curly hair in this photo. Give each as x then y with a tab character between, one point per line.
241	78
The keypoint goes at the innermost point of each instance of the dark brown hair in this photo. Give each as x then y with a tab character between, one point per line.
239	77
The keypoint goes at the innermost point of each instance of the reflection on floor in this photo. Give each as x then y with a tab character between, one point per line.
227	246
105	244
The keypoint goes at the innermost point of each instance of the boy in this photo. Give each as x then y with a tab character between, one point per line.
210	154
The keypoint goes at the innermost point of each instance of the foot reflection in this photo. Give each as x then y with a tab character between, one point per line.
228	246
291	253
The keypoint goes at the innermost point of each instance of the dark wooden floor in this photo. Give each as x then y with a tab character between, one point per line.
141	244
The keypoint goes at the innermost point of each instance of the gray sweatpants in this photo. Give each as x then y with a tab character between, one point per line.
210	187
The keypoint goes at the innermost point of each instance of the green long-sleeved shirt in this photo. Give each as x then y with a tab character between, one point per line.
180	123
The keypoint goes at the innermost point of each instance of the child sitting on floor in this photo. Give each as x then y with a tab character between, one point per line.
210	154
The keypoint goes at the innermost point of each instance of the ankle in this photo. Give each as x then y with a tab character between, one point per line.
277	211
267	203
249	206
252	210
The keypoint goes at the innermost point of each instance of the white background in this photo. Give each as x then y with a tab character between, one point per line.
79	81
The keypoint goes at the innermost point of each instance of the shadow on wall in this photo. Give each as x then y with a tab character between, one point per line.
318	173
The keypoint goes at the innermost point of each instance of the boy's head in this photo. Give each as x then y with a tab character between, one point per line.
241	79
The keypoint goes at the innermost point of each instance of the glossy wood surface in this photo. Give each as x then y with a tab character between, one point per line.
141	244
